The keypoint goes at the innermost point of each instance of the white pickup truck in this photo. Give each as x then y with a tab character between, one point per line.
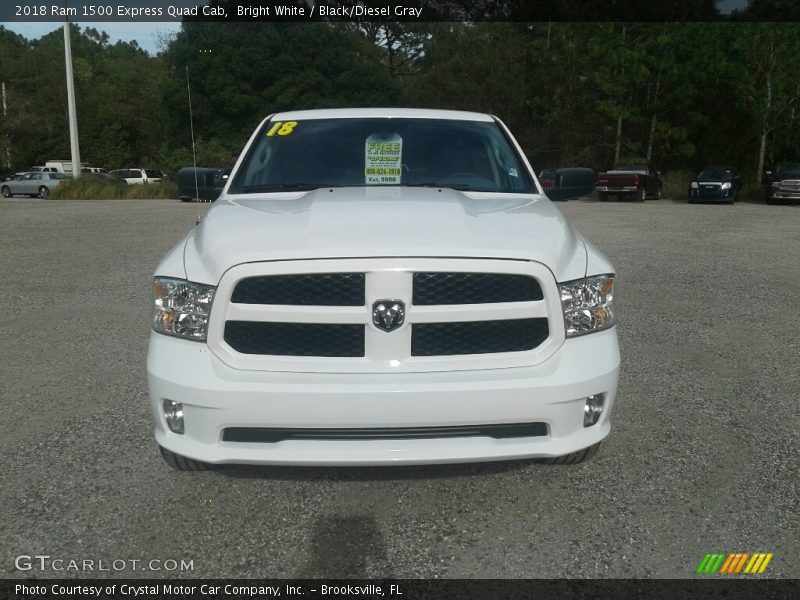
382	287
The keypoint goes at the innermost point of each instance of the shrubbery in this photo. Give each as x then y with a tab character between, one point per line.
87	188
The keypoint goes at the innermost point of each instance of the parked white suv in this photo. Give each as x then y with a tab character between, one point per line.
382	287
134	176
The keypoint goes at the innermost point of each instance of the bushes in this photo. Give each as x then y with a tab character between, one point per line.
87	188
676	184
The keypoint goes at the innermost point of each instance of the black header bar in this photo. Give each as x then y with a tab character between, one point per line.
706	588
422	11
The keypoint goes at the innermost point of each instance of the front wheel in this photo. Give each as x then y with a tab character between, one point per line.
658	194
6	192
44	192
574	458
641	195
181	463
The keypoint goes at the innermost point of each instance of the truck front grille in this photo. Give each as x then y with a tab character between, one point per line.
328	315
305	289
477	337
295	339
474	288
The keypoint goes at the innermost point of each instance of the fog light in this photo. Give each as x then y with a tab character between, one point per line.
593	409
173	413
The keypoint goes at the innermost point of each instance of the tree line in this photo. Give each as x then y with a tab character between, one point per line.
679	95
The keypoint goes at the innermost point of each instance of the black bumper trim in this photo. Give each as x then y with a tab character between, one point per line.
271	435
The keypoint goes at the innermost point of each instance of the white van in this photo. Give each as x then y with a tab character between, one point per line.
64	166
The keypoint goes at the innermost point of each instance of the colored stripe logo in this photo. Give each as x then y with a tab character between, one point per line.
734	563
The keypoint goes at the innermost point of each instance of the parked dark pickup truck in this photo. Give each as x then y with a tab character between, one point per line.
783	184
632	181
201	184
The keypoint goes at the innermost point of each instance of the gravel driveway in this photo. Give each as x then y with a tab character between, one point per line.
703	455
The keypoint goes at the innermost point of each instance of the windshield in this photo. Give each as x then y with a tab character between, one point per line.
715	173
788	171
464	155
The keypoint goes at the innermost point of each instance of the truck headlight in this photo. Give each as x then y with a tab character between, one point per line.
587	304
726	185
182	308
776	185
694	185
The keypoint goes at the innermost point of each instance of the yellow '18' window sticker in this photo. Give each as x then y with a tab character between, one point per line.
282	128
383	159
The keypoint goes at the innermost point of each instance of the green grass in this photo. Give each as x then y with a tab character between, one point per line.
94	189
752	192
676	184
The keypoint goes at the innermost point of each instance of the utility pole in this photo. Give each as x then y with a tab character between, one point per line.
73	117
5	114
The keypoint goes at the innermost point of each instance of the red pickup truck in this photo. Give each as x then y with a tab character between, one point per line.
637	181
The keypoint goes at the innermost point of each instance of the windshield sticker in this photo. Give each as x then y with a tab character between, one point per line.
282	128
513	172
383	159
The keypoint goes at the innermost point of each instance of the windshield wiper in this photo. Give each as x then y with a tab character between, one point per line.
282	187
454	186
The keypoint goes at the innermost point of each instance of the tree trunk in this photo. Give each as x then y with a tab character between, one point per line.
618	141
650	138
761	151
764	131
653	120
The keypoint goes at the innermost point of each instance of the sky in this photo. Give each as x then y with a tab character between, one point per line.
147	35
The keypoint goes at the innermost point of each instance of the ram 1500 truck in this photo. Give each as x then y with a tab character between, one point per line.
783	184
382	287
630	181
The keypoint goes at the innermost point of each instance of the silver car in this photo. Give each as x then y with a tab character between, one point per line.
33	184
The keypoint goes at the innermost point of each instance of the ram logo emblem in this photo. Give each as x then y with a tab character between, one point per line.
388	315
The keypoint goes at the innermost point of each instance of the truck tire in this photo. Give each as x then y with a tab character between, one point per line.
641	195
574	458
181	463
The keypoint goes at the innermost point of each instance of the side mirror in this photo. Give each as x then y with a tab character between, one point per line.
768	173
572	182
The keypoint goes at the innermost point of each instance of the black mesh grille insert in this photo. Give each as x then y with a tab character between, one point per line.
295	339
270	435
306	289
474	288
477	337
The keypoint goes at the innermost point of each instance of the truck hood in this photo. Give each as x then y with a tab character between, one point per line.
382	222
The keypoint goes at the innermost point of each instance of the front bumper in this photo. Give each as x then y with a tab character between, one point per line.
617	190
216	396
725	195
779	195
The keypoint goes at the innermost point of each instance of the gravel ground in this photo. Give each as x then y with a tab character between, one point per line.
703	455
